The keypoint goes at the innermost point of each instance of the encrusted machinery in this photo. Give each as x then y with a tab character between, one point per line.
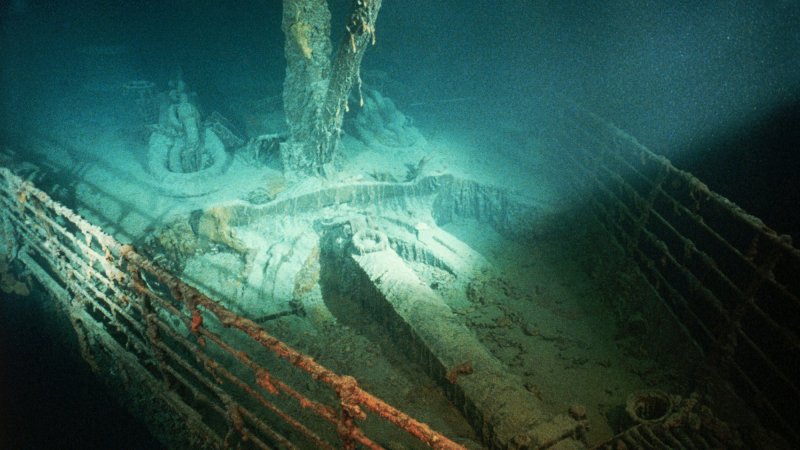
362	240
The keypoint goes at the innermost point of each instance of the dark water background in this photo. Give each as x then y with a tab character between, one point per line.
49	399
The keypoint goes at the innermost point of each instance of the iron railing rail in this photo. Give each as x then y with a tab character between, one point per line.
729	279
206	361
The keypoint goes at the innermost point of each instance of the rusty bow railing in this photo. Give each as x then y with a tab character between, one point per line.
233	383
728	278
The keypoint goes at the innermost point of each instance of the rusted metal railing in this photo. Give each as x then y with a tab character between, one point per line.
730	279
234	382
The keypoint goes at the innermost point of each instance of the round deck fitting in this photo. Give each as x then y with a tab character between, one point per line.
369	241
648	406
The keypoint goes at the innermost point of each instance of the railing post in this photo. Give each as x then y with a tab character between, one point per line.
346	388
